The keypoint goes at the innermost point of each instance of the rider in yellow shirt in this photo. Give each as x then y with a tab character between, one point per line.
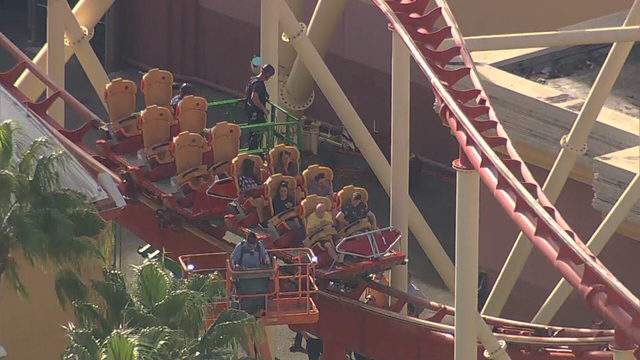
320	230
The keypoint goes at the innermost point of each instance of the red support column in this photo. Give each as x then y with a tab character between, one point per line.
333	350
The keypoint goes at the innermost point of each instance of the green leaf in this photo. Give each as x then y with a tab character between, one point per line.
113	291
121	345
152	284
7	129
69	287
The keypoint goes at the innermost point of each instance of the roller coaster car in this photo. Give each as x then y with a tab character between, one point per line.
188	149
224	138
191	114
310	173
155	124
283	290
120	97
157	87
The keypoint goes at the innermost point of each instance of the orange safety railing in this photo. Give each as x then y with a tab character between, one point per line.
291	284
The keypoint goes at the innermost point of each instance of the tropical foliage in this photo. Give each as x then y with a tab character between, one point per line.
48	225
158	317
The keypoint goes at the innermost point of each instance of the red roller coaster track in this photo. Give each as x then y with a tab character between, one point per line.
347	324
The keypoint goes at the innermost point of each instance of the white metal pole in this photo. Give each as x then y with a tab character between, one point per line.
88	13
56	61
598	240
269	36
323	22
553	38
573	145
380	166
467	232
400	144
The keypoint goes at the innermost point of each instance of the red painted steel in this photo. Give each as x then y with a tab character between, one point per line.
480	134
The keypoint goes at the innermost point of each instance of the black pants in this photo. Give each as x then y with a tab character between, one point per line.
255	117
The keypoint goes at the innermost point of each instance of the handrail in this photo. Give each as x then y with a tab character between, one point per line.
625	315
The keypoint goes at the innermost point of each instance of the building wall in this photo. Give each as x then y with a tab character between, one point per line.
32	328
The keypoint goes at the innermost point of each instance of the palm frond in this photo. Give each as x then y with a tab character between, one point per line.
12	276
160	343
45	175
136	316
29	158
82	345
90	317
69	287
231	326
7	129
113	291
211	286
120	345
152	284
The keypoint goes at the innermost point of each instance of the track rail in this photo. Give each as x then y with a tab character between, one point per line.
468	112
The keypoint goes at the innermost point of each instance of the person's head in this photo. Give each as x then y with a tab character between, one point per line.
320	209
356	199
186	89
252	240
283	190
247	168
256	63
267	71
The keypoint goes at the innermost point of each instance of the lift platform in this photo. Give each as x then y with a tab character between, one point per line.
283	290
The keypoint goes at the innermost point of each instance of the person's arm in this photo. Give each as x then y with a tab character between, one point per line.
235	256
340	219
265	254
255	99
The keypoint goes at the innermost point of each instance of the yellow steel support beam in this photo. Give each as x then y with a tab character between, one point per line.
56	61
87	13
553	38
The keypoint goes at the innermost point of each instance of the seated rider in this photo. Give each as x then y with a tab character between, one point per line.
185	90
355	210
283	202
320	231
285	165
320	186
248	181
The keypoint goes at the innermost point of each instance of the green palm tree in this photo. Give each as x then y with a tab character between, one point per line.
47	224
158	318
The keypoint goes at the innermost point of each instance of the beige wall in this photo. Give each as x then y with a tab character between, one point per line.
512	16
32	329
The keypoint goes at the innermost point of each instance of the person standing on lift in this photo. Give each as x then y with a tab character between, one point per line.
256	102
